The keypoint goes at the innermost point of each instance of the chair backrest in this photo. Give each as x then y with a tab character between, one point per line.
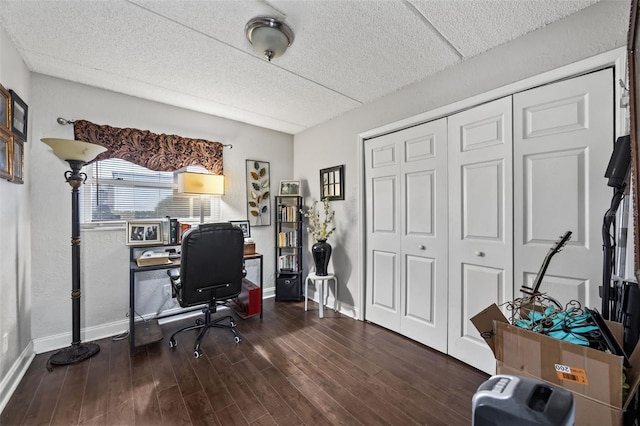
212	254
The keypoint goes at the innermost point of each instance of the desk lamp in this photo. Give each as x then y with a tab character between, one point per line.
200	183
77	154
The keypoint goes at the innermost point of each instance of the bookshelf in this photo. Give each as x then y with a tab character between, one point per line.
288	239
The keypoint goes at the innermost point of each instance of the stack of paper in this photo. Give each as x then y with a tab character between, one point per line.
150	258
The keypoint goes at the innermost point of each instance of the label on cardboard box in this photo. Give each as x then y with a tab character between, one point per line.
569	374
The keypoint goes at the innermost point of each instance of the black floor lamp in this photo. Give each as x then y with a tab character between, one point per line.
77	154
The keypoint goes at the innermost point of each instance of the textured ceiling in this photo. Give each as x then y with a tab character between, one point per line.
193	54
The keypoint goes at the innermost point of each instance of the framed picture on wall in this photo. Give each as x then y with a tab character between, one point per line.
258	193
17	165
19	116
5	155
5	110
332	183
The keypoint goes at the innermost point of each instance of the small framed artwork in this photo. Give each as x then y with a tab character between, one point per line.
19	116
258	193
5	155
144	232
332	183
244	225
5	110
289	188
17	165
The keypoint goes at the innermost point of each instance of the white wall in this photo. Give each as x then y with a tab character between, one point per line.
105	258
594	30
15	291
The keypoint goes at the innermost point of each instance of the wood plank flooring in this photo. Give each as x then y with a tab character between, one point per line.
291	368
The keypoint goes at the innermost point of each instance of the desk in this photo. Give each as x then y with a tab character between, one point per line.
150	331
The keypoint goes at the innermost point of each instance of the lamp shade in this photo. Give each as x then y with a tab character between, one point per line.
200	183
72	150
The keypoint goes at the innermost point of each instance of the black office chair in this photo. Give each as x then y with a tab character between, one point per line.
211	272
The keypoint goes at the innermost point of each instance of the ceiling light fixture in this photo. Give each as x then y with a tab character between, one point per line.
268	36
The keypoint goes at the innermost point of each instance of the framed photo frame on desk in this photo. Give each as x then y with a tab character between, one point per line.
144	232
244	225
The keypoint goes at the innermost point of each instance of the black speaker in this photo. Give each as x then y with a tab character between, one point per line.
619	162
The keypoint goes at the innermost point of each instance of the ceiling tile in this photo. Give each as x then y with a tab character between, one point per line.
194	54
475	26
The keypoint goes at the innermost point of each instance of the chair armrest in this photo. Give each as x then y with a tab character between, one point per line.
174	274
174	277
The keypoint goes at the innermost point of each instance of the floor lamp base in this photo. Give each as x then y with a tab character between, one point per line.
73	354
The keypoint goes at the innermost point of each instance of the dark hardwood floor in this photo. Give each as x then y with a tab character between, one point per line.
291	368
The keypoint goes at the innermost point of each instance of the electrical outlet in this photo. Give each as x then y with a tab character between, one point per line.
167	289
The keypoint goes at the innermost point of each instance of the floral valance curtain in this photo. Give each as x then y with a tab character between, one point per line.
151	150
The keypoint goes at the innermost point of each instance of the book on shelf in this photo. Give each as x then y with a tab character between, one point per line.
287	213
287	239
288	262
152	258
173	231
165	230
184	227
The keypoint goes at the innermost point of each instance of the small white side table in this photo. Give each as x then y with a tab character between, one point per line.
323	279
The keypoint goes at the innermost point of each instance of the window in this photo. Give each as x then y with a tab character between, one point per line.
117	190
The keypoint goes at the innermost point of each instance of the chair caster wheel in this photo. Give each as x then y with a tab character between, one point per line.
173	343
197	353
236	339
199	321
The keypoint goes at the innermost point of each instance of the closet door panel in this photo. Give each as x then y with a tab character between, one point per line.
424	238
482	201
548	178
561	152
406	184
481	226
382	163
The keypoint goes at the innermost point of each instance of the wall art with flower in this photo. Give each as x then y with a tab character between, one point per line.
258	193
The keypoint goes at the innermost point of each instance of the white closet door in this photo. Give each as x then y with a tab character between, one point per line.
561	151
382	195
406	195
481	224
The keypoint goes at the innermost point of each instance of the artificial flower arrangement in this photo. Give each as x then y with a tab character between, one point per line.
320	229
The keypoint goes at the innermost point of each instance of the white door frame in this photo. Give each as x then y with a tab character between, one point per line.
616	58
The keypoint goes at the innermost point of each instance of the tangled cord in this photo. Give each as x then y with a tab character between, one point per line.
569	323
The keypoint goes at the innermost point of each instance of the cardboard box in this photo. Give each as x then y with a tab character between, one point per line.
249	248
594	377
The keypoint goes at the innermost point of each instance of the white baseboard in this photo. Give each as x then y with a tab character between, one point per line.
59	341
268	293
14	376
343	308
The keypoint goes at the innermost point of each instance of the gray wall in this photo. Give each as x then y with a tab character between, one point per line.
15	246
597	29
105	257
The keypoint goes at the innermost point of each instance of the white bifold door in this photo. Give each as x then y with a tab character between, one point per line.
563	142
406	201
481	224
461	211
